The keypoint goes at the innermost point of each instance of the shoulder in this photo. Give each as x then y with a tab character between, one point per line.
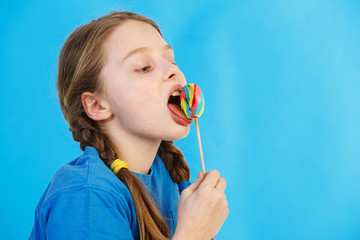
85	173
84	187
84	212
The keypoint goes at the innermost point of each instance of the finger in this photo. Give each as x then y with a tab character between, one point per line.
211	179
197	183
221	185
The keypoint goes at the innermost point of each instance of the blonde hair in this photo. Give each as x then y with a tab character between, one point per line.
80	63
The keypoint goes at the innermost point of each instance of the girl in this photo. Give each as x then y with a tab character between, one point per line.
115	78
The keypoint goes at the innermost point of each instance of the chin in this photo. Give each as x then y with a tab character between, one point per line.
180	133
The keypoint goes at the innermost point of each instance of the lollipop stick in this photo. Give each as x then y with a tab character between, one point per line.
199	141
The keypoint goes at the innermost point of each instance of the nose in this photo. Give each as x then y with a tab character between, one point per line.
172	72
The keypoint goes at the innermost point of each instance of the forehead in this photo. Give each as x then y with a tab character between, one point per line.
131	35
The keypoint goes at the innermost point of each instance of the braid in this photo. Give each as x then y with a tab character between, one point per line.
174	162
154	227
84	130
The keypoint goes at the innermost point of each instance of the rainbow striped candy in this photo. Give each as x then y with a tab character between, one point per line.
192	101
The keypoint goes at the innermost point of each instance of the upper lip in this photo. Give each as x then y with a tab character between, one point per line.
173	89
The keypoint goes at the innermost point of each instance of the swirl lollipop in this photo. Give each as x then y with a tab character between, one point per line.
192	102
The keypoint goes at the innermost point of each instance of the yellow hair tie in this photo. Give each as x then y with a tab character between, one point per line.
117	165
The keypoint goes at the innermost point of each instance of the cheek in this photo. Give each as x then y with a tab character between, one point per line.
119	98
134	103
142	96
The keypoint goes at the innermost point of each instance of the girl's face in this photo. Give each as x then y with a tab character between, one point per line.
138	77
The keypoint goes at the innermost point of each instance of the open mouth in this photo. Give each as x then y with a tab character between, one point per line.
175	98
177	113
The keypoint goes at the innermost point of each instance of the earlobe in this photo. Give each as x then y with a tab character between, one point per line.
95	108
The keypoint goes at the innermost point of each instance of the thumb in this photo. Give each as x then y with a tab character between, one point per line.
196	184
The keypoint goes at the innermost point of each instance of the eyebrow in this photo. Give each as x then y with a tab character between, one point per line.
144	49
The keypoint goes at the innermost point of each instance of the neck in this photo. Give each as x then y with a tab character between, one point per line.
138	152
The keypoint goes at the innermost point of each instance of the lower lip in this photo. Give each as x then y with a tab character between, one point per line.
178	116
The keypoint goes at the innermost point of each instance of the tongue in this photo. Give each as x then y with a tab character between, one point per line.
176	110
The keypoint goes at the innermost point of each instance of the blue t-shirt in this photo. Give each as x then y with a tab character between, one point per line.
85	200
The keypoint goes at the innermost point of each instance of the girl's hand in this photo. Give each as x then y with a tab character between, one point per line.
203	208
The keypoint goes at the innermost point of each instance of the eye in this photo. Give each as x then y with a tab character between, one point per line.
144	69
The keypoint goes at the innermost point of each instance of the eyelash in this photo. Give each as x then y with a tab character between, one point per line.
144	69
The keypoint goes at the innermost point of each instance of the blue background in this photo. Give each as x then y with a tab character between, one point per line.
282	120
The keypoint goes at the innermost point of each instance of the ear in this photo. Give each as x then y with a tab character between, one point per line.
96	108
